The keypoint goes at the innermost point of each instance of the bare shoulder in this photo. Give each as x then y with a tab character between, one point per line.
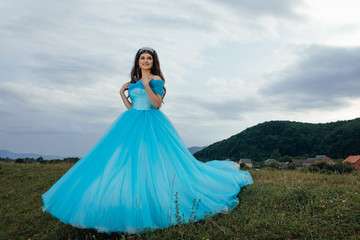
156	77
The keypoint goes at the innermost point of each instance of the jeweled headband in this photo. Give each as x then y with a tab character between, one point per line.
146	49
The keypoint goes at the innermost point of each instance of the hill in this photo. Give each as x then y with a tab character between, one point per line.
12	155
195	149
336	139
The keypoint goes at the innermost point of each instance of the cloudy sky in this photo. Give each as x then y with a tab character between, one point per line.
228	65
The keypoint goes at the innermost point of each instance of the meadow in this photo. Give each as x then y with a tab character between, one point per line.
279	205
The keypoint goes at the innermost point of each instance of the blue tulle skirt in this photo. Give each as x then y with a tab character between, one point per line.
140	176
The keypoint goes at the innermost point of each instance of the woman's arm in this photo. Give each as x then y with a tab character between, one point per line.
154	98
126	101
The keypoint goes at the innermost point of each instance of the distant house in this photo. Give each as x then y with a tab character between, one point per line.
246	161
353	160
298	162
309	161
324	158
268	161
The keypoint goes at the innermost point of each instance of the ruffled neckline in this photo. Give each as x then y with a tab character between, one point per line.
153	83
150	81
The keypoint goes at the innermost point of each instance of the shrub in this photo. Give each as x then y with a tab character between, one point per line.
291	166
19	160
323	167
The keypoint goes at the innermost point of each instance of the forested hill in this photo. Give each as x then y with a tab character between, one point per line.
336	140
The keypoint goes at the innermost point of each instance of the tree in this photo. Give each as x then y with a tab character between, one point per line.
285	158
275	165
19	160
242	165
275	154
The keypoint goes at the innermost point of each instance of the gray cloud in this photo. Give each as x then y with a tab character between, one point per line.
73	70
217	108
231	109
323	77
5	114
274	8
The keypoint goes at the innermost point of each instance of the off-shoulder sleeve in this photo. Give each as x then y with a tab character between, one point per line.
157	86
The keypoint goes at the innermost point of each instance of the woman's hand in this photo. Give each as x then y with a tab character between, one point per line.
154	98
126	101
147	80
124	88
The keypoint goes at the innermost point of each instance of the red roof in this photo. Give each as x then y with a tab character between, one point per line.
352	159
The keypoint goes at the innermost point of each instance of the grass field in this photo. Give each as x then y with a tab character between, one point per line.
279	205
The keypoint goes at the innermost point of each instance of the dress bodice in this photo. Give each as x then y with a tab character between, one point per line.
139	96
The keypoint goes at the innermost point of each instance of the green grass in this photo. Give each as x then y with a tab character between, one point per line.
279	205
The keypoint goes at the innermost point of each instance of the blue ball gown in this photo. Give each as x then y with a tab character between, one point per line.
140	176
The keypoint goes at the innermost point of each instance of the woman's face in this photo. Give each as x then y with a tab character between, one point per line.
145	61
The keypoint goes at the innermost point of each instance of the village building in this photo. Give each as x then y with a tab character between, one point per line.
309	161
318	159
324	158
246	161
353	160
298	162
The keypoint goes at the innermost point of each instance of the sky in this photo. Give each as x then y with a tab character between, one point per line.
228	65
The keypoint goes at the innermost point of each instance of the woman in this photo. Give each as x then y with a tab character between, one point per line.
140	175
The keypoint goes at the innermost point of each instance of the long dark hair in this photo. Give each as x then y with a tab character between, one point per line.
155	70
